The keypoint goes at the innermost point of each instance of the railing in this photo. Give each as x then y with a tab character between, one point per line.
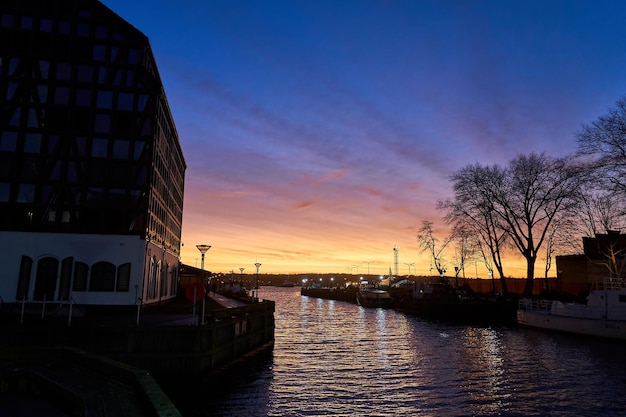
528	304
614	283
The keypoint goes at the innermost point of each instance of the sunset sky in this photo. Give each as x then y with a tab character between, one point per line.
319	134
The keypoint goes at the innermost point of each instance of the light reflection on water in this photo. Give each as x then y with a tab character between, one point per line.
333	358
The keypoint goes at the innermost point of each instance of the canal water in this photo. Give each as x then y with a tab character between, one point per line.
333	358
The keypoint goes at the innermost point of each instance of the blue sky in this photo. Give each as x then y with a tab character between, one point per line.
319	134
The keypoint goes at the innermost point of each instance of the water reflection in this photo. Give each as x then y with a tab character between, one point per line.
483	373
333	358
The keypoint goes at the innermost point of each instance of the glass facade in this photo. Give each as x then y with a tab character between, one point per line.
90	161
87	140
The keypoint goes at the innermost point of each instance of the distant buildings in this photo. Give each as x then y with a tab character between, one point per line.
91	168
603	258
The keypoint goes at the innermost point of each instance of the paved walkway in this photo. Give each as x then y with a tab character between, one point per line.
190	318
225	301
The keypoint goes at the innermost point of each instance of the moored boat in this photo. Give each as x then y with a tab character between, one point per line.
442	302
603	315
374	298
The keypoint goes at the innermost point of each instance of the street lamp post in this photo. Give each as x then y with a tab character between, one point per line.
241	277
203	249
258	265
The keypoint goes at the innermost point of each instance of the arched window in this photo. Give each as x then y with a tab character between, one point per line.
46	279
152	278
66	278
81	271
164	279
173	280
26	266
154	285
102	277
123	278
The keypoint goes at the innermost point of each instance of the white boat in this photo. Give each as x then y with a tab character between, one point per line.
604	314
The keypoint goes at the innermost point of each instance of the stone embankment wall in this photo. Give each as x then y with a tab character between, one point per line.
157	345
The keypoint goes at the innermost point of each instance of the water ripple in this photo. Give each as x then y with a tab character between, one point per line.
337	359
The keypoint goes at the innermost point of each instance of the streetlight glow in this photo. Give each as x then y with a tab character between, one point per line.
258	265
203	249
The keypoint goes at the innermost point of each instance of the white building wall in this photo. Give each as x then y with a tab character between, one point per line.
88	249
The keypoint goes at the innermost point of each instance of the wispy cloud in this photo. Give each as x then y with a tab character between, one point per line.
323	132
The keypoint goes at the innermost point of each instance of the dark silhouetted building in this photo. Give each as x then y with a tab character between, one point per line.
603	258
91	168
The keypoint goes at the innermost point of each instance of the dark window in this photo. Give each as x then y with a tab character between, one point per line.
125	101
33	120
66	278
26	193
99	52
99	148
85	73
117	80
5	191
152	279
53	140
83	97
61	95
45	25
7	20
26	266
32	143
46	279
102	123
29	169
55	174
82	29
102	277
102	32
65	27
143	100
11	89
103	74
133	56
146	130
64	71
8	166
15	119
622	298
138	150
173	282
123	278
80	276
105	100
72	173
130	78
27	22
120	148
44	69
42	92
81	145
8	142
46	194
164	277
